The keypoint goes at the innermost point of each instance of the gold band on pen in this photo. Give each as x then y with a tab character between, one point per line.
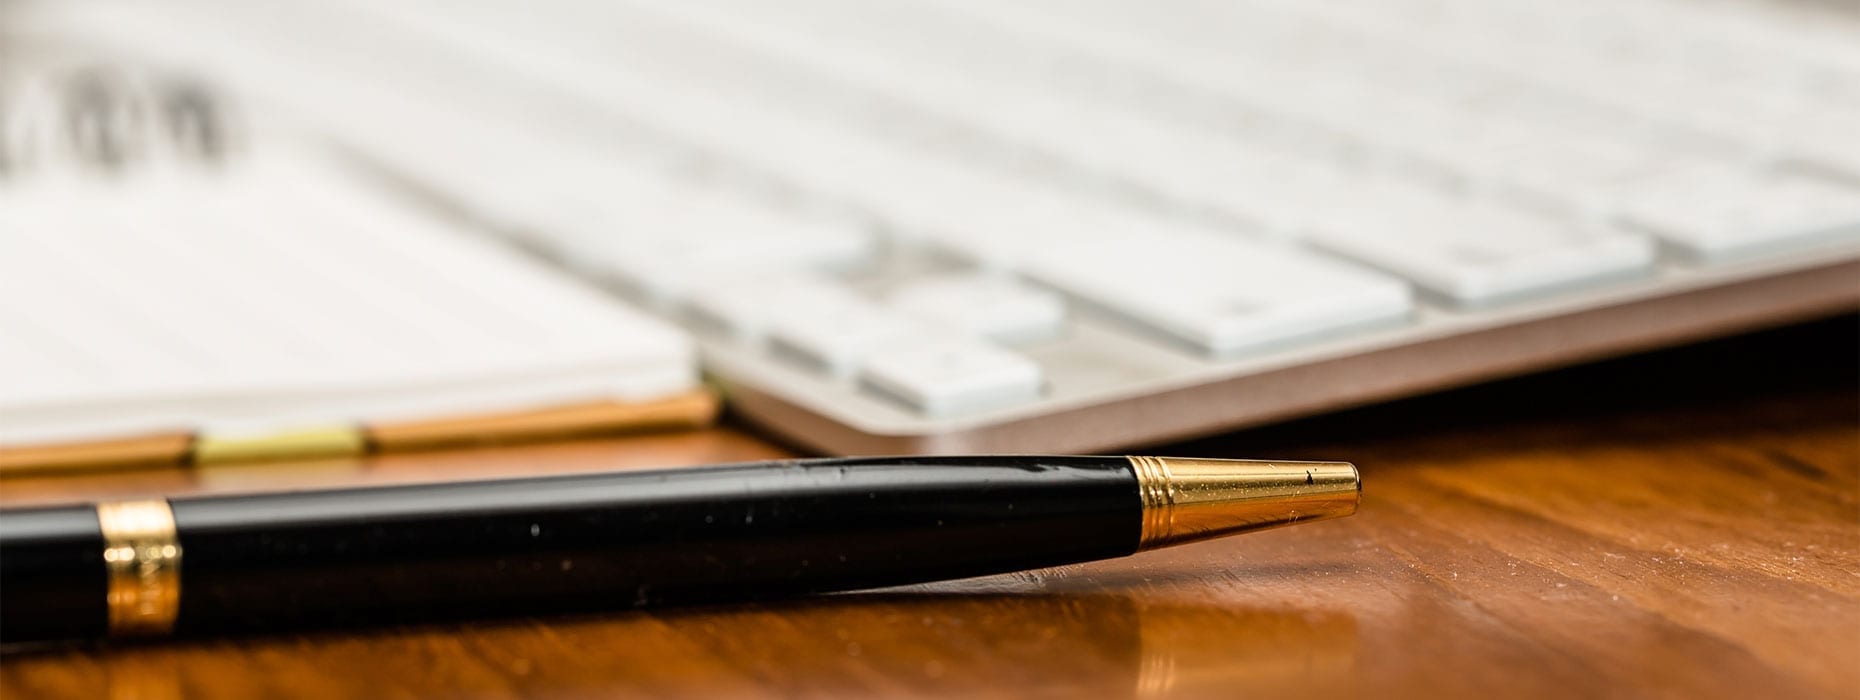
1158	507
1185	499
143	557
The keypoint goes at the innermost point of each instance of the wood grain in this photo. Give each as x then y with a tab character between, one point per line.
1682	524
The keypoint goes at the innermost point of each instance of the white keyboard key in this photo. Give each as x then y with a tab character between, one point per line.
1285	196
1480	253
1220	293
1582	176
951	377
1715	217
990	220
837	336
984	305
686	248
744	309
1827	138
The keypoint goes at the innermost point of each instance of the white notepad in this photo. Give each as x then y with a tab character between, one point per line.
280	290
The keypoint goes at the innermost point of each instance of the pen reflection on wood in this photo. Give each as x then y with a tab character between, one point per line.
862	644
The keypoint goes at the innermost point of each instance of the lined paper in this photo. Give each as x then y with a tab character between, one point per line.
279	290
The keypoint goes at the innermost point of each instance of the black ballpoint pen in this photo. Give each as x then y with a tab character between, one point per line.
192	566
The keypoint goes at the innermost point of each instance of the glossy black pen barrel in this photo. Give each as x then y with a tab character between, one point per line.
583	542
53	583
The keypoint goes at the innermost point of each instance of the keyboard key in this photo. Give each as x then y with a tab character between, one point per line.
990	220
951	377
1581	176
1722	216
1221	294
744	309
1826	138
837	336
1480	253
988	306
665	269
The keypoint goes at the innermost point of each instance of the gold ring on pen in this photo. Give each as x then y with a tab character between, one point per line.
143	557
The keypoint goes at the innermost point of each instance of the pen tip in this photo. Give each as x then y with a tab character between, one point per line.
1194	499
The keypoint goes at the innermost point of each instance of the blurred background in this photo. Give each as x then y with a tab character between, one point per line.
232	230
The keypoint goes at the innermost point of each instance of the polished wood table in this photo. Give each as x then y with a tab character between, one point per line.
1682	524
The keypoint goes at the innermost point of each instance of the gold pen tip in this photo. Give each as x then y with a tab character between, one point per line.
1185	499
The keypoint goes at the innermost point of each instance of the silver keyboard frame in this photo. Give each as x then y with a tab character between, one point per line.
1195	396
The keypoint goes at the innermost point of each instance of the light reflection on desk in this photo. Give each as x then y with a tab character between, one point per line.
857	644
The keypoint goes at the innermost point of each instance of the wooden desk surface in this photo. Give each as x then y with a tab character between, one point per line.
1685	524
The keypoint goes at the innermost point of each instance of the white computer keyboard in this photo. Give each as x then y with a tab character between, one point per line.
1053	225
